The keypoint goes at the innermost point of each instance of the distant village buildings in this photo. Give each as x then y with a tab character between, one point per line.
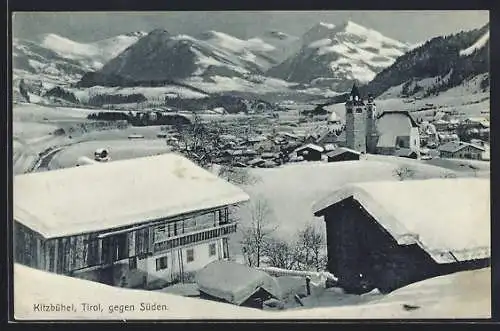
142	223
388	234
461	150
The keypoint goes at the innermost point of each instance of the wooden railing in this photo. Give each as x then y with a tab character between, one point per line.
194	237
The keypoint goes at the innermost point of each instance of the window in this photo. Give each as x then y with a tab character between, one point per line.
132	263
225	248
190	255
211	250
403	141
161	263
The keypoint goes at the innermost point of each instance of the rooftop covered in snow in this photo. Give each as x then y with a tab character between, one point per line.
399	113
234	282
448	218
311	146
117	194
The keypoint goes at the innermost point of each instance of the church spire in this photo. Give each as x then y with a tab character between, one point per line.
355	91
355	96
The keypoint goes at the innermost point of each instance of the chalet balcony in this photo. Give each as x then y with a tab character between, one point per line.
194	237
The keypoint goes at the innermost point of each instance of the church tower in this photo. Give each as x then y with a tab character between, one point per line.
371	127
356	121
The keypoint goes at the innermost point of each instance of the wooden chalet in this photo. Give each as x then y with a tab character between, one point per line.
143	222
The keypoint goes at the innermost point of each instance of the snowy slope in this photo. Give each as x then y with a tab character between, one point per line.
439	64
333	54
480	43
51	60
285	45
461	295
161	56
96	54
291	201
36	63
252	50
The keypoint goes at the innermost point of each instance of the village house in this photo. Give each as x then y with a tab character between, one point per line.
460	150
237	284
310	152
447	137
343	154
388	234
143	222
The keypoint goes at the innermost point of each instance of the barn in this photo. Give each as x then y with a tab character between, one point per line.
310	152
388	234
143	222
343	154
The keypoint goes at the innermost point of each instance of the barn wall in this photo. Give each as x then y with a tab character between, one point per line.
311	155
29	247
344	157
357	245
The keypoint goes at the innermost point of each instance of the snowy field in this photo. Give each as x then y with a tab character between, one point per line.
149	92
37	113
460	295
291	190
118	149
453	100
32	130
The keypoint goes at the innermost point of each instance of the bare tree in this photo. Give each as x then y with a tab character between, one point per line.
311	244
257	233
280	253
403	173
449	175
239	176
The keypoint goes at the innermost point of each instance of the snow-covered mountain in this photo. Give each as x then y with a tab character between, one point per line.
94	54
57	60
337	55
480	43
34	62
160	56
253	50
459	61
285	45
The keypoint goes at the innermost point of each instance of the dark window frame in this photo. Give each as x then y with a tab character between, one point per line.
212	249
162	263
132	263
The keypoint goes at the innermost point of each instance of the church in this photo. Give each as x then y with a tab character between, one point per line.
389	132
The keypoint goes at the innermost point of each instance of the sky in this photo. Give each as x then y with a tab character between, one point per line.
406	26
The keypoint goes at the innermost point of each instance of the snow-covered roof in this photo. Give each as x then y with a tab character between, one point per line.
404	152
311	146
387	140
397	113
455	146
234	282
342	150
117	194
460	295
442	216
